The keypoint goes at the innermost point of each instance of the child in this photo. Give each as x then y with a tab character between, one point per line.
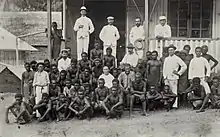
73	71
47	65
84	62
113	104
21	110
80	106
54	73
153	72
96	52
41	83
168	97
214	96
44	107
62	109
153	98
68	89
62	79
109	59
138	91
26	82
196	93
101	93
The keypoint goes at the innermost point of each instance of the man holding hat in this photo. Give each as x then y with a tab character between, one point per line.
84	27
64	62
109	35
131	57
137	36
162	30
171	71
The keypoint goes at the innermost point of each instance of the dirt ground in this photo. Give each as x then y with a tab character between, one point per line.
178	123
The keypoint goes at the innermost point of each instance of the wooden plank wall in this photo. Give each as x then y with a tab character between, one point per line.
9	57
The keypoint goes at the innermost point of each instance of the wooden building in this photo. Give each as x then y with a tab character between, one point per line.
193	22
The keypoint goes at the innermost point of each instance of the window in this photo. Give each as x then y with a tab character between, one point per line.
190	18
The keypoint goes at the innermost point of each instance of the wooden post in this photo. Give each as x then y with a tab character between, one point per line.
49	28
17	52
64	19
146	24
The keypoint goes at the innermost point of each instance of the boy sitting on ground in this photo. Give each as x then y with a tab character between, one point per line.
80	106
196	93
168	97
62	109
153	98
20	109
214	96
44	107
113	104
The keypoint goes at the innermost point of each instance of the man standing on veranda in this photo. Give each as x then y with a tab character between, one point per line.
171	71
162	30
109	35
84	27
137	37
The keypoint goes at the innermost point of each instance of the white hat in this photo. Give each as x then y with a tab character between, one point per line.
162	18
110	17
83	8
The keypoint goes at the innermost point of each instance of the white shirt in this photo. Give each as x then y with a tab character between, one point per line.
108	79
87	29
131	59
109	35
197	68
172	63
63	64
164	31
136	33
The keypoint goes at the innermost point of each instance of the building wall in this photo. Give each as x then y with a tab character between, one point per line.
9	57
9	82
41	54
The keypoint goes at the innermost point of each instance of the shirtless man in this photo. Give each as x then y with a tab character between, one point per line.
86	77
73	71
20	109
153	74
54	73
62	109
96	52
113	104
153	98
84	62
168	97
208	56
62	79
109	59
138	91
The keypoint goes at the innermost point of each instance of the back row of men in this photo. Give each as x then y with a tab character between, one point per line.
81	87
109	35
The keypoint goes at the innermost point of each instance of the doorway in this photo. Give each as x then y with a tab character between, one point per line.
99	11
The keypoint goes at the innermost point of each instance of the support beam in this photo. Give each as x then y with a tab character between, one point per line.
49	28
17	52
64	19
146	26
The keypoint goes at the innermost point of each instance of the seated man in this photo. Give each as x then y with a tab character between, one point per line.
168	97
196	93
138	91
153	98
113	104
80	106
75	89
101	93
62	109
67	91
86	76
62	79
20	109
73	70
109	59
96	52
115	72
97	70
214	96
84	62
44	107
54	91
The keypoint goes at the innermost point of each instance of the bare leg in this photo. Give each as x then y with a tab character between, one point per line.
131	104
206	100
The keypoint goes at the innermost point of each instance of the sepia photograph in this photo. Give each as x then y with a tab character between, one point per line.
109	68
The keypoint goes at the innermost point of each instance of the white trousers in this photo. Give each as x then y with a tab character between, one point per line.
39	91
205	85
173	86
82	46
140	53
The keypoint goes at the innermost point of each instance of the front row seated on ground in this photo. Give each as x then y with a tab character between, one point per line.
77	102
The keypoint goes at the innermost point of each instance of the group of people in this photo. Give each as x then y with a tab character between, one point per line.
95	86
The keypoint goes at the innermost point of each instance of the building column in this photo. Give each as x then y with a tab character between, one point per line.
49	28
146	26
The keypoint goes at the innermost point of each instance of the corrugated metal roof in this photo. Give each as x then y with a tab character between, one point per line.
8	42
16	70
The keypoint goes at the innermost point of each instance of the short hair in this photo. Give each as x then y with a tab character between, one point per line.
27	63
149	52
114	69
186	46
68	48
63	71
198	48
40	63
61	94
196	80
18	95
166	86
215	78
205	46
33	62
73	60
45	95
115	80
154	52
53	65
84	53
77	82
67	80
109	48
102	79
46	60
54	23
